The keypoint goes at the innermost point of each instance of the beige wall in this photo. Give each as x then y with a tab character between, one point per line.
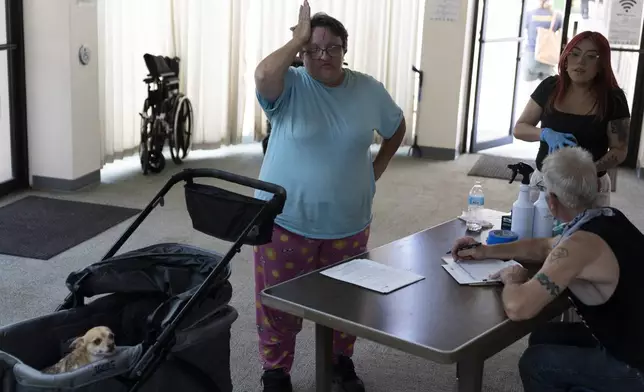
445	61
62	94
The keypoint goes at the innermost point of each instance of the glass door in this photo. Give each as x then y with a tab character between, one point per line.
497	73
13	131
508	72
627	54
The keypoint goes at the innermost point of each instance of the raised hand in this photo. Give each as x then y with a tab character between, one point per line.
302	31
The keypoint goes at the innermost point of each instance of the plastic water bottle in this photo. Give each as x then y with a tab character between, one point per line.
475	203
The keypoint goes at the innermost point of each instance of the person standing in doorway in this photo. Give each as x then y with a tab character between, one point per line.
323	118
540	17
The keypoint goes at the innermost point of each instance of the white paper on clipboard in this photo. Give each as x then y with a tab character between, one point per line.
475	272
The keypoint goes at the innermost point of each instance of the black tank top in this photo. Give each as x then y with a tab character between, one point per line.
618	324
591	133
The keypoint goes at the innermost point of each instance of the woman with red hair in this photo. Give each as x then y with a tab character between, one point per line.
582	106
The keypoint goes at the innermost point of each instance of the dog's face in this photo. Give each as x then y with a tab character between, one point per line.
98	342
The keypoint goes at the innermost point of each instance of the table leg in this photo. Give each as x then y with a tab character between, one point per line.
469	374
323	358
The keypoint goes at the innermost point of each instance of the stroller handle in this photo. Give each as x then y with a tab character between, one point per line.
188	174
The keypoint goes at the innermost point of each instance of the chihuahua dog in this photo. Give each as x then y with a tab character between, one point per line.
96	344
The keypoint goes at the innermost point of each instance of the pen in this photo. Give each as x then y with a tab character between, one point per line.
486	283
470	246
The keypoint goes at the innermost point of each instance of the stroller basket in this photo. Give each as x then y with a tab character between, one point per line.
237	212
167	304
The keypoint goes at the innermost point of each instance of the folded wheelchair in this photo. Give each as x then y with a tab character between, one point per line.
166	115
167	304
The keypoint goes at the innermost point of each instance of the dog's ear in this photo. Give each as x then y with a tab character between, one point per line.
76	343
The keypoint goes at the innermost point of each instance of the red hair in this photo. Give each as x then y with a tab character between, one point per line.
605	80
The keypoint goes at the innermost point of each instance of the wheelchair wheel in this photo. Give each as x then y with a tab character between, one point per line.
182	129
175	150
143	157
146	132
156	159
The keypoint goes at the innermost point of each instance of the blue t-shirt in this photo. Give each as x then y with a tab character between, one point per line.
540	17
319	151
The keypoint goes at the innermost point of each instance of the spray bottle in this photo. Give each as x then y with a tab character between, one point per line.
543	224
522	209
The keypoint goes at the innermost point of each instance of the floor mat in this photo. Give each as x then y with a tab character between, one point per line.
40	228
491	166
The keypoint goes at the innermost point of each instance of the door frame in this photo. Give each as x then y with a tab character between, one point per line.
478	146
17	97
637	111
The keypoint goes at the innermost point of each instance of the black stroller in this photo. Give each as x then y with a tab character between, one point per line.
167	304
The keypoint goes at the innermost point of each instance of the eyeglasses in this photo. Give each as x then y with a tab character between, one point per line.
577	56
332	51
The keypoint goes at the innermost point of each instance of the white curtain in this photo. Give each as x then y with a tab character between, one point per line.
127	29
210	43
220	42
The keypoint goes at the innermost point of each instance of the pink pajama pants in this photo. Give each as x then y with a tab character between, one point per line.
287	256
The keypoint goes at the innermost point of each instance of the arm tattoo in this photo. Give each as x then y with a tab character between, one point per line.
618	131
620	128
548	284
608	161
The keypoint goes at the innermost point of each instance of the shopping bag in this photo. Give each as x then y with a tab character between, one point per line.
547	45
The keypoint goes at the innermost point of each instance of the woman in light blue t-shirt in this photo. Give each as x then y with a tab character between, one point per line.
323	117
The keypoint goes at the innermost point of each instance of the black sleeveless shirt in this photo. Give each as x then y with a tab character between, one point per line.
618	324
590	132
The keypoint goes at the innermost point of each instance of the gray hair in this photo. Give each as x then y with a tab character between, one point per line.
570	173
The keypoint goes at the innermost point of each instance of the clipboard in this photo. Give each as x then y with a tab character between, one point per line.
475	273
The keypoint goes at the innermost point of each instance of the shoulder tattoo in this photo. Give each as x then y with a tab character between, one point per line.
548	284
557	254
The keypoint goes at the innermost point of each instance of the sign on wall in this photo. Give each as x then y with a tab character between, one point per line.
444	10
625	23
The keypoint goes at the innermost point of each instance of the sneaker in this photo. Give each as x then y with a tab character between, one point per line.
276	380
345	377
